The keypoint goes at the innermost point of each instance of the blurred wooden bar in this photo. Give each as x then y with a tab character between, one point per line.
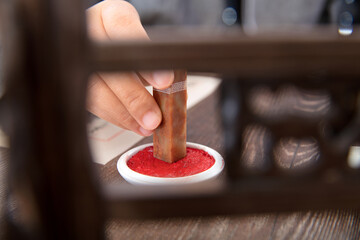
241	197
262	55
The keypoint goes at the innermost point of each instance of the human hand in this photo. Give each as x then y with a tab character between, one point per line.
121	98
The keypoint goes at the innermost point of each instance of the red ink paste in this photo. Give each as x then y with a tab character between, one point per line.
196	161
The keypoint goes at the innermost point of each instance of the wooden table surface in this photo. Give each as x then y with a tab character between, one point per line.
204	127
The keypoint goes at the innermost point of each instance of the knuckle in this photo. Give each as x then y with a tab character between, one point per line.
93	83
126	119
134	100
128	7
121	12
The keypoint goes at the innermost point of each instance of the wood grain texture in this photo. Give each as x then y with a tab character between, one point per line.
204	127
255	156
4	158
289	101
296	154
299	225
290	154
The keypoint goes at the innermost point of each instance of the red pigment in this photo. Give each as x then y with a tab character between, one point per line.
196	161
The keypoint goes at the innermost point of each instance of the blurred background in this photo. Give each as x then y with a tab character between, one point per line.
253	15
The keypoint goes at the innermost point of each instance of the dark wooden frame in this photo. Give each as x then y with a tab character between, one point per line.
47	58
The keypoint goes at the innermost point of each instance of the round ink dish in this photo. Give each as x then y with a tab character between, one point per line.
137	178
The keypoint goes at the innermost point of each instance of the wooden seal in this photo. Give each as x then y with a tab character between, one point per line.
170	137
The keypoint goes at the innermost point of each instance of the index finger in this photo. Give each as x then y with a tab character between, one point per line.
121	21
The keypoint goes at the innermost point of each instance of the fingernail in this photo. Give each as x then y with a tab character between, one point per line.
145	132
163	79
150	120
148	76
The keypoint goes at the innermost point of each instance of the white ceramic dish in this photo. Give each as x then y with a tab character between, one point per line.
141	179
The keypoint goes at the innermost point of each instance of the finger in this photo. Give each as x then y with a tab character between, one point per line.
104	103
94	21
158	79
114	20
136	99
121	21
